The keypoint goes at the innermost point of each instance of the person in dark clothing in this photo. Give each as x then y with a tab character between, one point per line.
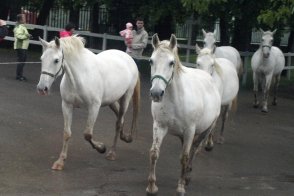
3	30
21	44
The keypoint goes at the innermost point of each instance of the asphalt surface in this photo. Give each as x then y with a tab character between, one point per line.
256	159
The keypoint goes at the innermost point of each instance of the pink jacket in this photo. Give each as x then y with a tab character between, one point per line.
65	33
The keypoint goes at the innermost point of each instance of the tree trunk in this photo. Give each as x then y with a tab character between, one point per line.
165	27
95	18
74	16
242	34
290	47
44	12
4	12
224	31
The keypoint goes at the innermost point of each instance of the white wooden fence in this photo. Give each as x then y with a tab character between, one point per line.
245	55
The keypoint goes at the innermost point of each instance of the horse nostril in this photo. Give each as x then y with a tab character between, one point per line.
45	89
162	92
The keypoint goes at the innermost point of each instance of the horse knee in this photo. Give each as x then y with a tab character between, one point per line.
66	135
154	154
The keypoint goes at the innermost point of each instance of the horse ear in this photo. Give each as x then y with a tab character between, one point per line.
172	41
204	32
155	40
214	32
197	49
261	30
57	42
43	43
274	31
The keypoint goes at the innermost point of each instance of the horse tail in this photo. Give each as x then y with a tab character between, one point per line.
241	69
234	104
136	105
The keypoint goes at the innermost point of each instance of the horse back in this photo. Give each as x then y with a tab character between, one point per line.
230	53
229	80
192	97
109	76
279	59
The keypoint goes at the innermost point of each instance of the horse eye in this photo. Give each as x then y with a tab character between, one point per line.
172	63
56	61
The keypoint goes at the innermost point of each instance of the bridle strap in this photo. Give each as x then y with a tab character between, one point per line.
60	69
266	46
162	78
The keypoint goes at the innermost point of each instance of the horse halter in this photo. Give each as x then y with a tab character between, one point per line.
57	73
266	46
162	78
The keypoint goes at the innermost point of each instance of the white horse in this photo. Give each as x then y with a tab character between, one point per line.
109	78
227	52
185	103
226	79
267	63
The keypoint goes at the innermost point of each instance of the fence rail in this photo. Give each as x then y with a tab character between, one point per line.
106	38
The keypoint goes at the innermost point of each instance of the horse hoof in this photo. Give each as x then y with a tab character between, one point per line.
209	147
127	139
111	156
57	166
151	194
180	194
255	105
274	103
264	110
101	149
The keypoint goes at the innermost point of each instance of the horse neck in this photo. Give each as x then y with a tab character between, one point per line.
73	68
176	85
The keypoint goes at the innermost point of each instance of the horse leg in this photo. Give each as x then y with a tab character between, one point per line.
197	141
88	133
111	154
158	134
275	88
124	104
188	141
67	110
224	114
265	89
255	90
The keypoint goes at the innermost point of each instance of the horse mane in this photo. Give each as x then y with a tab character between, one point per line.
164	46
70	45
217	67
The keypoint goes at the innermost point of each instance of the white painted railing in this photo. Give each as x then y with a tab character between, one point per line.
246	55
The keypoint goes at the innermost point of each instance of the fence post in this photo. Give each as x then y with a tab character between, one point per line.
189	42
104	42
45	32
289	65
246	62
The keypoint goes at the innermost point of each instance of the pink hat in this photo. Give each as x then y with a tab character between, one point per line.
129	25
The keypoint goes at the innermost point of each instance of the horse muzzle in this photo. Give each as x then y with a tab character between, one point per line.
156	94
42	90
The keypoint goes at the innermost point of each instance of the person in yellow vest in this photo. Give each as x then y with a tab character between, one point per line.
21	45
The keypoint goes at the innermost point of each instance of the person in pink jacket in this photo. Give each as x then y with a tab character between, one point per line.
68	31
128	35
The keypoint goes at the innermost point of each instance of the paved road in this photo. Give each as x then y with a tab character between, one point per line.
257	158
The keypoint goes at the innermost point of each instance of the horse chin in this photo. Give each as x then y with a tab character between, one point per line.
156	99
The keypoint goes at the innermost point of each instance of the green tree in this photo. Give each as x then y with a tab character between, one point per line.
279	14
237	17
